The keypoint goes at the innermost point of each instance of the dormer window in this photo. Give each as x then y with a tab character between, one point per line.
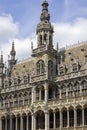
26	78
62	69
75	67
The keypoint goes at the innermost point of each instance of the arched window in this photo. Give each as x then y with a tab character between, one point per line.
64	114
71	118
50	67
57	118
40	67
45	38
40	37
37	94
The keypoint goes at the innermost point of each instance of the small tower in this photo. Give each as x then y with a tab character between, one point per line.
44	28
1	71
12	61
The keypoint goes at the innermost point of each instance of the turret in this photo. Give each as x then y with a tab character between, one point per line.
12	61
1	71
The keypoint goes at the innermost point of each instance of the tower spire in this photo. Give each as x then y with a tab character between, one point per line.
12	61
1	70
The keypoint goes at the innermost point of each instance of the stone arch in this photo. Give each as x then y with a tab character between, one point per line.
71	107
25	93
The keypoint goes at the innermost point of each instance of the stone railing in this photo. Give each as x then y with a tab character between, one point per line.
67	101
71	128
14	88
38	50
38	78
71	75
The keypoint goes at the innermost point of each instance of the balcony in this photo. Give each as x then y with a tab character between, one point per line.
39	50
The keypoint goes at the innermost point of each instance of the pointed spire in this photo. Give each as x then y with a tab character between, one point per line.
45	15
12	61
57	47
13	52
13	48
1	58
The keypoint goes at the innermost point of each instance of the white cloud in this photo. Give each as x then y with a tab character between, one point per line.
65	34
70	33
8	28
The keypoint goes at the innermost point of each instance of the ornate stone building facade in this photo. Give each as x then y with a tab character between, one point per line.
48	91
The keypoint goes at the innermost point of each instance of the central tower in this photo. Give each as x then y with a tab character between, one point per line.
44	28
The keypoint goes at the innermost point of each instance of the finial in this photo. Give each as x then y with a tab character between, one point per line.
31	45
61	59
1	59
13	52
57	47
13	48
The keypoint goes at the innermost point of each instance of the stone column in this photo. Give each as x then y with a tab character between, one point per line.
27	124
75	117
0	123
10	122
32	95
83	116
54	120
60	94
80	90
46	92
16	123
68	118
21	123
66	92
61	121
39	94
46	120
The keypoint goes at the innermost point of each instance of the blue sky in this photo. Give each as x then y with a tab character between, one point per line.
27	12
19	19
